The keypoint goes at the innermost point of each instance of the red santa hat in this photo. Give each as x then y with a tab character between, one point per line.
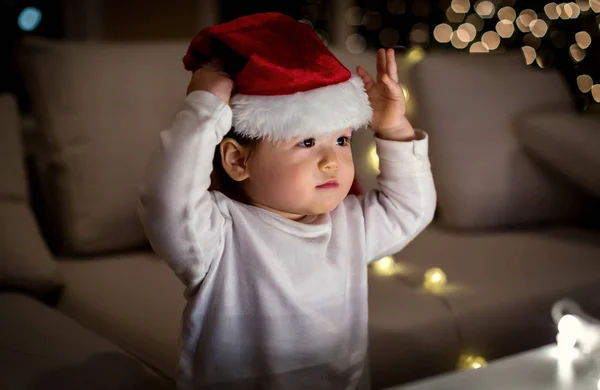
287	82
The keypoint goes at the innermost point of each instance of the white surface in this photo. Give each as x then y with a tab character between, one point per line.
536	369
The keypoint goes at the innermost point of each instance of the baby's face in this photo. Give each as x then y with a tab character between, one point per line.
302	176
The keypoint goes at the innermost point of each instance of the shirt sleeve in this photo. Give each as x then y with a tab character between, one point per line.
405	200
180	216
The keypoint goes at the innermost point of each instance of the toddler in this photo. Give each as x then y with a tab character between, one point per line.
275	262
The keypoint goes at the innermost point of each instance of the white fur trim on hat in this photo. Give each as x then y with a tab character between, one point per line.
309	113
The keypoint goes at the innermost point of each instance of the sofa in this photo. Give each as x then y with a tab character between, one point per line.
89	302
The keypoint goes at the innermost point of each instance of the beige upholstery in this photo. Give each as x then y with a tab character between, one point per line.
502	285
99	108
566	141
42	349
137	301
12	172
468	104
25	262
134	300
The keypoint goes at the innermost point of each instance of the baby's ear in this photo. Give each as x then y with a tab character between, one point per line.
233	159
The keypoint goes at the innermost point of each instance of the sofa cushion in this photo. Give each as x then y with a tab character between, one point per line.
99	108
41	348
25	262
134	300
411	334
468	104
566	141
501	286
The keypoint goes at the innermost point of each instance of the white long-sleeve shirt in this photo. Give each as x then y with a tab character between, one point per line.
273	303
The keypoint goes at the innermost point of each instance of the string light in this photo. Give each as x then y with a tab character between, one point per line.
373	158
385	266
576	329
471	362
414	55
434	280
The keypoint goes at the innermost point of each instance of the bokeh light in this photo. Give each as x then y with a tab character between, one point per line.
491	39
29	19
585	83
583	39
485	9
442	33
505	28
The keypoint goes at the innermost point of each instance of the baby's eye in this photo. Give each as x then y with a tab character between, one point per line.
307	143
343	141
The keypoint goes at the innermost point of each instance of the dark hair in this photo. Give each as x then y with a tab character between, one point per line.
220	179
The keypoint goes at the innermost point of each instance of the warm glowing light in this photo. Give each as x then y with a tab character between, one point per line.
434	280
471	362
585	83
460	6
491	39
583	39
457	43
596	92
507	13
414	55
552	11
525	18
584	5
529	53
479	47
373	158
466	32
442	33
595	5
485	9
538	28
385	266
577	53
505	28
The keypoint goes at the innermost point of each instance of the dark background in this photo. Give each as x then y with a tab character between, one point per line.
178	19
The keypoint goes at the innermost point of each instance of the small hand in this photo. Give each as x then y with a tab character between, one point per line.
386	96
212	80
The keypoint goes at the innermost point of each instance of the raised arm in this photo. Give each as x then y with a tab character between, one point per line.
179	214
404	203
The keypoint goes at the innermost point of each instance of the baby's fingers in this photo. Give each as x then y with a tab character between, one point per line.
392	68
365	76
393	88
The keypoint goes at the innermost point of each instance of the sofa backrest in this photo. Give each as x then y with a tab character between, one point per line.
25	262
484	179
99	108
